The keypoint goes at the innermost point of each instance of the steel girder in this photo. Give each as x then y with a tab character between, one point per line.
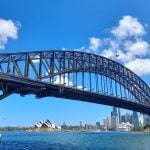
38	66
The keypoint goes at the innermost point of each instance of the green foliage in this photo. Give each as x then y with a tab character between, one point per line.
145	128
65	127
14	128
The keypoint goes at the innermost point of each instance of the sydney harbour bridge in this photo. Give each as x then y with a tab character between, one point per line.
73	75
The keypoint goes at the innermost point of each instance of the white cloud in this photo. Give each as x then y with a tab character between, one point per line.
36	59
95	43
126	44
83	48
139	66
63	81
128	27
127	50
108	53
112	47
138	48
64	49
8	29
80	87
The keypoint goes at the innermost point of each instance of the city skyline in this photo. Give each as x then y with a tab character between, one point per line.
115	121
86	26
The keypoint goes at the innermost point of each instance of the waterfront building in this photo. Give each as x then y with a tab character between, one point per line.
115	118
114	123
138	119
90	127
135	120
126	118
123	118
141	119
38	125
146	119
98	126
131	119
46	126
81	125
107	123
86	127
125	126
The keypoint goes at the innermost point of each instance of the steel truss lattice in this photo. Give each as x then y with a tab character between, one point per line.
73	75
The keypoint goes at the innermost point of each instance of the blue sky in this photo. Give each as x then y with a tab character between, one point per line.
88	25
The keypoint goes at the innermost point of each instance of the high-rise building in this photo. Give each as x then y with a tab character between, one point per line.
127	118
107	122
141	120
115	118
81	124
146	119
98	125
131	119
114	123
135	119
138	119
86	127
123	118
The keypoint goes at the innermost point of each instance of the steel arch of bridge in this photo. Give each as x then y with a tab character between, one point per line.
65	74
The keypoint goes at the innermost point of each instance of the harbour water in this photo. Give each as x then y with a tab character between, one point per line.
75	141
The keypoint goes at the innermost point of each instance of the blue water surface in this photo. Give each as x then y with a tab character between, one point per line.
75	141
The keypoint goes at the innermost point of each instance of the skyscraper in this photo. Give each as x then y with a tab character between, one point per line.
141	119
138	119
135	119
81	125
115	118
107	122
98	125
146	119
